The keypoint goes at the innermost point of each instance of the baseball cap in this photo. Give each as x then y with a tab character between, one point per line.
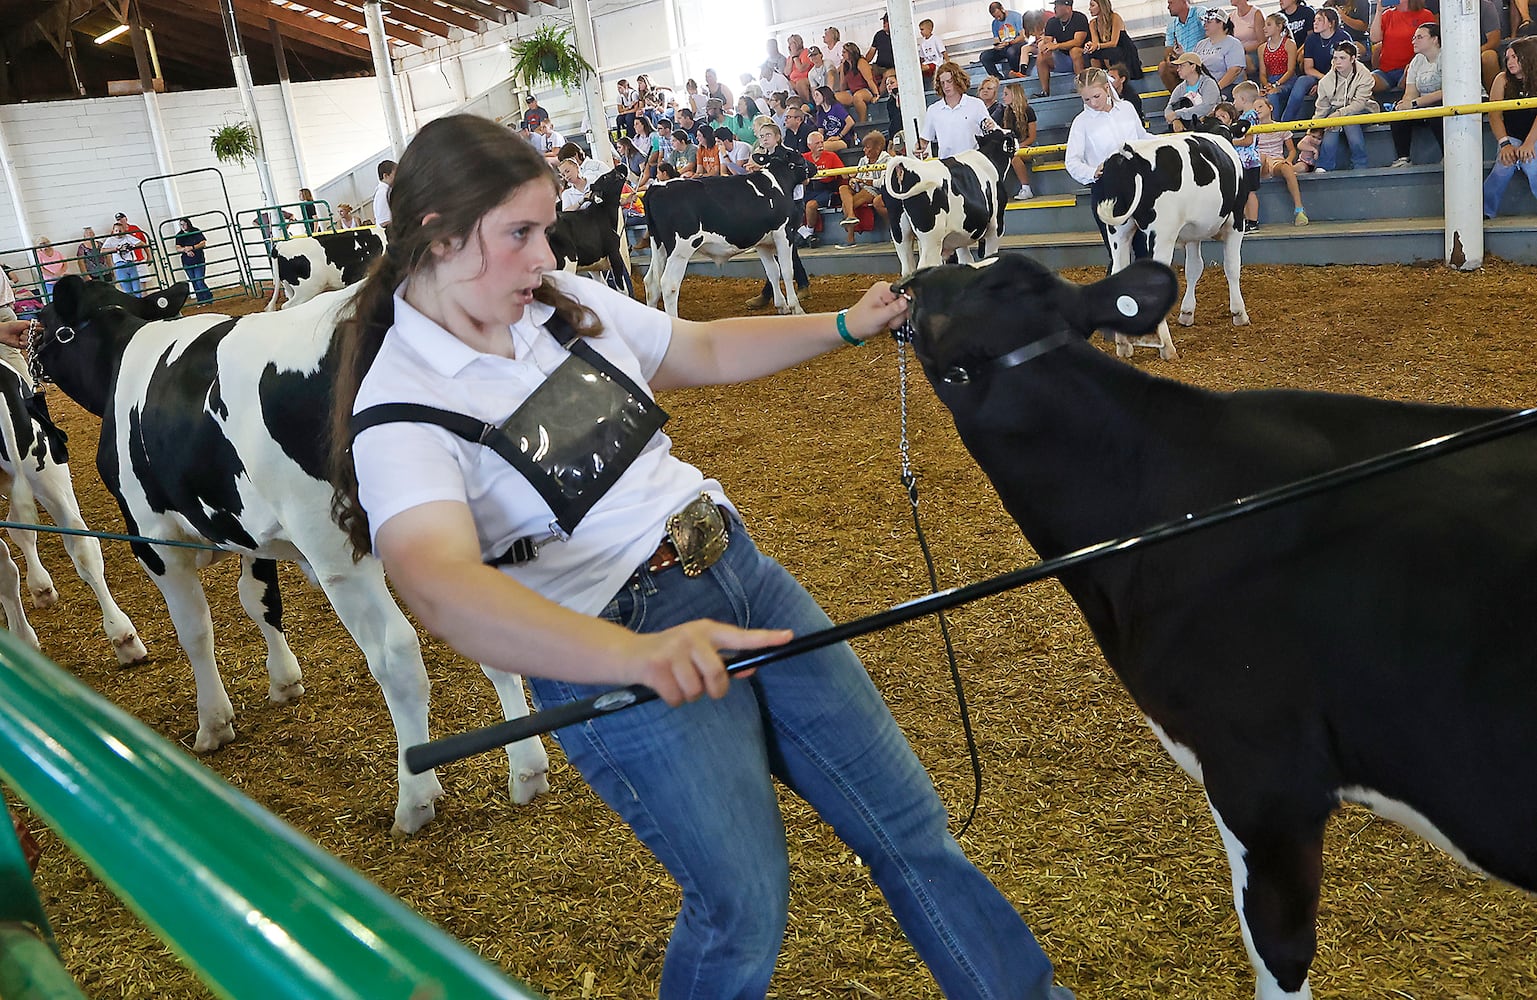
1062	3
1215	15
1191	58
120	215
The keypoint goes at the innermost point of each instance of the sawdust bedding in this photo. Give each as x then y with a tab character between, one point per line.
1084	822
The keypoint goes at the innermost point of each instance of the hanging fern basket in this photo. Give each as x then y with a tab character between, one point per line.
548	54
233	143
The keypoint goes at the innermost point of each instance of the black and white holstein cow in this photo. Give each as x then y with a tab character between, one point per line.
592	237
951	204
721	217
212	429
1370	644
1175	190
305	266
42	472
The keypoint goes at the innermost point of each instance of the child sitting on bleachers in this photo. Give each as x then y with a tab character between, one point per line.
1276	155
1248	157
1308	148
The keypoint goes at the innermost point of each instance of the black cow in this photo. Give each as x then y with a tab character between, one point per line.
720	217
1368	645
591	235
309	265
210	431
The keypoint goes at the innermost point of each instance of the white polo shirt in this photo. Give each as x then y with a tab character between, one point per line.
405	465
954	129
382	204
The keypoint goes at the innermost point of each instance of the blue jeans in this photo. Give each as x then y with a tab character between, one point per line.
128	278
1001	62
1499	179
695	783
195	274
1354	135
1290	102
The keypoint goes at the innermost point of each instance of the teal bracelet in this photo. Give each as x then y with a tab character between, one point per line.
843	329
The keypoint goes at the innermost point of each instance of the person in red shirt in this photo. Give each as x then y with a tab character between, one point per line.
134	231
820	192
1393	41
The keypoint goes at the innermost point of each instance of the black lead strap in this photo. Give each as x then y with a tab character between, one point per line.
426	756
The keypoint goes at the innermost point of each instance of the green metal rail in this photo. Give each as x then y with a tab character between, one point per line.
254	908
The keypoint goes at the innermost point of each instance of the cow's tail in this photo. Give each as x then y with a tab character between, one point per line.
903	181
1106	209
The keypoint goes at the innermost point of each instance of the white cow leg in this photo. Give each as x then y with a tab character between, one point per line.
55	488
528	766
653	277
263	604
672	277
785	265
903	238
10	600
1232	263
39	580
389	644
1195	265
188	605
1275	890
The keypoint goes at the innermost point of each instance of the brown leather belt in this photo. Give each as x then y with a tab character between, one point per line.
665	557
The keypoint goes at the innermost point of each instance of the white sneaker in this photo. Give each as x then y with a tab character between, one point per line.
1025	194
806	232
1402	161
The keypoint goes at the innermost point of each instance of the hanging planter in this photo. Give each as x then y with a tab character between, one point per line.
548	54
233	143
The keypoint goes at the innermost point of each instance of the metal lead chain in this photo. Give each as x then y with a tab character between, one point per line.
903	337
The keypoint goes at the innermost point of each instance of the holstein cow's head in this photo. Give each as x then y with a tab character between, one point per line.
610	186
85	329
970	321
999	146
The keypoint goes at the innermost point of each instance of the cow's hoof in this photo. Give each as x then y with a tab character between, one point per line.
525	786
211	738
1168	354
1187	319
1241	319
408	822
282	694
45	598
130	651
1125	350
418	804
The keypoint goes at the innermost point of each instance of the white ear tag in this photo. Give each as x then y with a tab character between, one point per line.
1127	305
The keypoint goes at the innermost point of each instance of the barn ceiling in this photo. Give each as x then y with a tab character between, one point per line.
320	40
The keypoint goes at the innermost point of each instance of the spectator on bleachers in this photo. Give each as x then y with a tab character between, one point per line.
649	142
955	120
1221	53
1278	68
1299	20
1019	118
857	83
742	121
694	101
931	51
774	106
798	67
832	119
1120	79
1309	147
533	114
1249	28
591	167
822	191
577	187
1514	131
684	156
1494	64
547	140
859	190
1353	18
646	104
51	264
1276	151
987	93
775	62
734	154
819	69
1060	48
1194	97
1103	126
1109	41
1345	90
1315	58
714	88
774	82
1489	29
832	42
880	55
1184	33
707	153
1392	32
665	171
1422	89
96	262
891	101
630	105
633	159
683	120
1248	158
1009	57
797	130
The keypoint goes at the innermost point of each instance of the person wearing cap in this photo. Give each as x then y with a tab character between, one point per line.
1010	52
1222	54
1182	35
879	55
1196	95
1061	45
132	230
533	114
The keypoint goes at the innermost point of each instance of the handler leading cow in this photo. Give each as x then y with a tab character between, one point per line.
1369	645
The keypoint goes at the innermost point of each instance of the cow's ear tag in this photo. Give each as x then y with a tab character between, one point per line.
1126	306
161	302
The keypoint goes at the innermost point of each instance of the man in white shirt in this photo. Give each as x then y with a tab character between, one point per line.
956	119
382	193
735	154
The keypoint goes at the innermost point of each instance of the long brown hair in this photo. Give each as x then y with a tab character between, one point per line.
1526	57
455	170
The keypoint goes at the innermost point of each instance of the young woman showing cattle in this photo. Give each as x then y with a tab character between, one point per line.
1103	126
650	575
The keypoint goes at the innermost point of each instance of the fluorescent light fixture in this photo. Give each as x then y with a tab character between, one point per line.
108	36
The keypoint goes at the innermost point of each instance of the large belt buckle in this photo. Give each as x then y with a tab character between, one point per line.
698	533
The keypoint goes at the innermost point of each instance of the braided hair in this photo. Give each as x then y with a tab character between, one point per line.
455	170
